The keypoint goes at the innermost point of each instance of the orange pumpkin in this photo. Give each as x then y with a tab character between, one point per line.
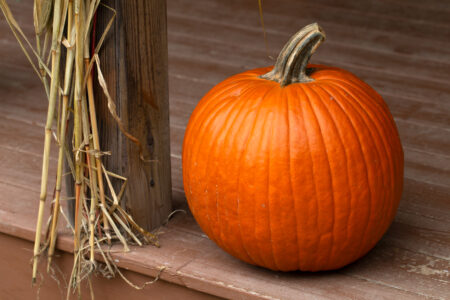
295	167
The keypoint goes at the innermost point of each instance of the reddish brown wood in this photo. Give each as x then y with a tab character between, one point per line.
15	271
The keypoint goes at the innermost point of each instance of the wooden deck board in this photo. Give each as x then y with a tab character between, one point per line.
399	47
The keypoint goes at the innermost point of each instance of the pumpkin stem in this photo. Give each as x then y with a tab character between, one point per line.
291	64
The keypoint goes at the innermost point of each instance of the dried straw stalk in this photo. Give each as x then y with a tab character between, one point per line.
54	85
62	130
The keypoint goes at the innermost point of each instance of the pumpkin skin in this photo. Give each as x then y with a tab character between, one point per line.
306	176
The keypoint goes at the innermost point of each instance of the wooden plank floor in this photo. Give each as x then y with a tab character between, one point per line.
401	48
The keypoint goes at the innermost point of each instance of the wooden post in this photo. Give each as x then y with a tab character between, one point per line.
134	63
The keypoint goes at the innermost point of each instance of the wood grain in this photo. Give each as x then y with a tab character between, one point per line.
134	62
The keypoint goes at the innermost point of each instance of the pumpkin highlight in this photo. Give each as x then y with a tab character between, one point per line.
295	167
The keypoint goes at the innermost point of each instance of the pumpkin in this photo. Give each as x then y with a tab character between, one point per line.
293	167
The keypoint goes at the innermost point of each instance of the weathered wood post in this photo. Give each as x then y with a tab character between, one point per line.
134	63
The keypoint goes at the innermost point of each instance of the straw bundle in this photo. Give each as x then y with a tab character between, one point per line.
65	26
